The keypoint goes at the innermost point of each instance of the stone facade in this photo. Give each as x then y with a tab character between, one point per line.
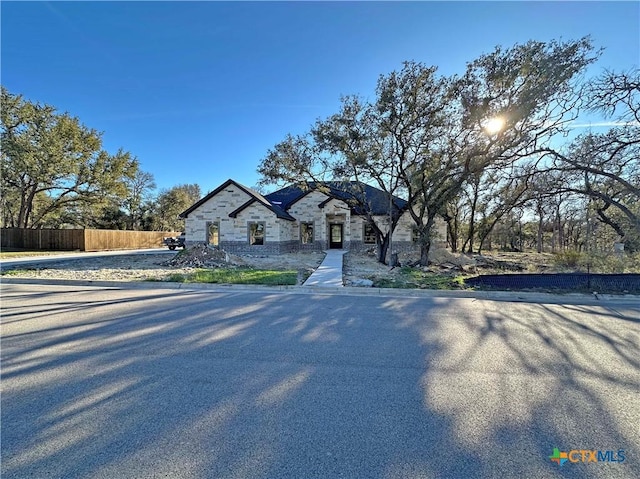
274	247
216	209
282	231
402	238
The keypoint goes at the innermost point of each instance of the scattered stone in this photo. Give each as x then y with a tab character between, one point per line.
469	268
362	283
448	265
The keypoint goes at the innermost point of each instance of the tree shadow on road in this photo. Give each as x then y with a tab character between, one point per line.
202	384
558	379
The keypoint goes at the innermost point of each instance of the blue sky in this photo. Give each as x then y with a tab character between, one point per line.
199	91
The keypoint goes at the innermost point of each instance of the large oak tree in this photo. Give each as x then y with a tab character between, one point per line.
52	163
425	136
606	166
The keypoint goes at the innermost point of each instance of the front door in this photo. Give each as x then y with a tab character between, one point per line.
335	236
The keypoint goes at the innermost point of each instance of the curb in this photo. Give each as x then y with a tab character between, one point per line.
512	296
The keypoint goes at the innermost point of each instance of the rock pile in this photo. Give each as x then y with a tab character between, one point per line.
202	256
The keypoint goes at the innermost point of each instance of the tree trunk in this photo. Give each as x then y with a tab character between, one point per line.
452	236
424	252
540	225
472	233
485	233
481	245
560	228
382	249
520	240
26	205
472	219
456	232
22	212
607	220
425	240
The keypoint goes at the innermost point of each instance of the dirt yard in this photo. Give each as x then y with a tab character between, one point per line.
359	269
152	267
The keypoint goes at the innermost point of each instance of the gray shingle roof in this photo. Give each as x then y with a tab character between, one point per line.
354	193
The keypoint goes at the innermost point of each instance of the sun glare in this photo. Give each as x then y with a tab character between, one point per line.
494	125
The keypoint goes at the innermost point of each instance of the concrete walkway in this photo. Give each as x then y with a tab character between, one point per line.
329	273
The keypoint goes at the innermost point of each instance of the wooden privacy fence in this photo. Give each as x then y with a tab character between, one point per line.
83	240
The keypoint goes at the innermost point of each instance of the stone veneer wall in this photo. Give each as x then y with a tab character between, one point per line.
283	236
279	247
398	246
273	247
315	246
257	213
402	233
306	211
216	209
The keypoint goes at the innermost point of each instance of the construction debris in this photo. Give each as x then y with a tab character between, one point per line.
203	256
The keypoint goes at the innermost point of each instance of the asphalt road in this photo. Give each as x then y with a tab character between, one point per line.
108	383
72	255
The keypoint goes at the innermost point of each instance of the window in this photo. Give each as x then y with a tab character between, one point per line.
256	233
306	233
213	233
369	236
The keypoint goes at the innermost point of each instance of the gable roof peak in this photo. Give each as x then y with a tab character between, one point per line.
253	195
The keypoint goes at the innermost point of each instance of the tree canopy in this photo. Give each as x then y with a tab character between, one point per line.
171	202
51	164
606	166
425	136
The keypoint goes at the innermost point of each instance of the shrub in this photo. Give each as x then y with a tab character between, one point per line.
614	262
569	259
177	278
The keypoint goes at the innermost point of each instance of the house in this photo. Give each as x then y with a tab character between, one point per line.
313	218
